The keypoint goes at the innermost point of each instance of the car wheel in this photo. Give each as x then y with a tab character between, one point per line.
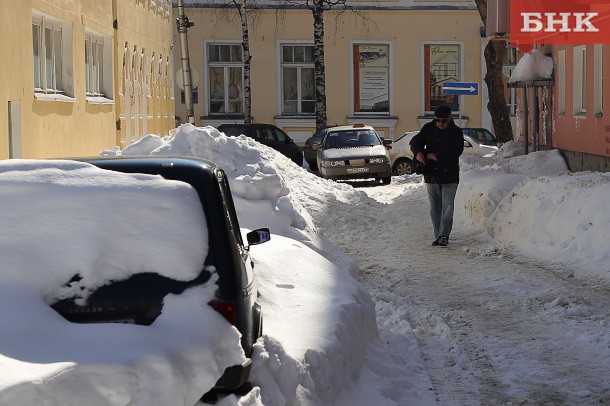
313	165
403	166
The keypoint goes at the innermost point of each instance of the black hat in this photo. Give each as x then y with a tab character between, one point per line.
442	111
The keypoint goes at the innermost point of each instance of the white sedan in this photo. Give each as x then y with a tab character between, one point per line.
478	141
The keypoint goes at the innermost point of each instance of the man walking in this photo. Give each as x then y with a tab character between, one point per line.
438	146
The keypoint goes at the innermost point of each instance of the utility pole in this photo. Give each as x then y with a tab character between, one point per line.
183	24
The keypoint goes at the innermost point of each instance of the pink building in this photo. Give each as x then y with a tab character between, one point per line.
567	111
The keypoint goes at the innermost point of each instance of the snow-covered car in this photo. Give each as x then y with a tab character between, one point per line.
267	134
353	152
139	299
478	141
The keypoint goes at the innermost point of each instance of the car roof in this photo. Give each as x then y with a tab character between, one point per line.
407	133
147	163
474	128
350	128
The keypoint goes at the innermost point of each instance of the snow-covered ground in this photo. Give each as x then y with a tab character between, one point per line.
359	309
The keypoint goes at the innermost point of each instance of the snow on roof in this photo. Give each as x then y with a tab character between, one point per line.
532	67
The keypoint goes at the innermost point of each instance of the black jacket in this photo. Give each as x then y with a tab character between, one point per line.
447	144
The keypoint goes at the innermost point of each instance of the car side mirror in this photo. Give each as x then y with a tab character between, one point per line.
316	146
386	142
258	236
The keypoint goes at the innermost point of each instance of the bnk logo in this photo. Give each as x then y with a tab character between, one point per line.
559	22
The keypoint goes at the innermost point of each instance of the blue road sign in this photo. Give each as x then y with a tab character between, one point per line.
461	88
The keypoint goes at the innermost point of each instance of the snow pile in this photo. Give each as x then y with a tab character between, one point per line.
533	216
532	203
532	66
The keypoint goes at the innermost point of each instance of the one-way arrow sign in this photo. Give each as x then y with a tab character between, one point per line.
461	88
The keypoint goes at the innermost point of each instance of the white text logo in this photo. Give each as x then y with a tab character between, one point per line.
558	22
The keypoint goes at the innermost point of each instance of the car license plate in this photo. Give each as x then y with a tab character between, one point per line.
357	170
356	162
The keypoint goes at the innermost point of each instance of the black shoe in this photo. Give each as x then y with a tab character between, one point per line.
443	241
435	242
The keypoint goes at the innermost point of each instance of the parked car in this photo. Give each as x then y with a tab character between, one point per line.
309	153
353	152
481	135
401	155
267	134
478	141
139	299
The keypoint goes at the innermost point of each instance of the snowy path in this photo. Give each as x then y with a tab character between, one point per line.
493	327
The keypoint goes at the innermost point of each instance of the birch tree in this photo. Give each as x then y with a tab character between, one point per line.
494	60
318	9
243	15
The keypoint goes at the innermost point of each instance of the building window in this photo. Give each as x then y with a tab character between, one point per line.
561	83
225	76
97	65
50	50
298	85
598	79
371	70
510	55
510	93
580	80
508	66
442	63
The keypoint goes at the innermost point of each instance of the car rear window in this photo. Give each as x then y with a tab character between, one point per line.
233	130
99	224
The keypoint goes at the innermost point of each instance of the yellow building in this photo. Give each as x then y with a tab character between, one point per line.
79	76
385	63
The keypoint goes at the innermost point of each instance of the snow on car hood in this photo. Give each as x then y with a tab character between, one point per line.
354	152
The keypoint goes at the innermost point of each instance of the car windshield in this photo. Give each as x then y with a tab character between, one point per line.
351	138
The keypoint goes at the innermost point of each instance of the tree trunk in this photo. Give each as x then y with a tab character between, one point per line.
494	59
241	7
319	72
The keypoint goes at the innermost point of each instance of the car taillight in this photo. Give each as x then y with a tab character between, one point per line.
226	310
388	147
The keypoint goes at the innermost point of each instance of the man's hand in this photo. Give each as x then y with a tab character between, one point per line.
420	157
431	157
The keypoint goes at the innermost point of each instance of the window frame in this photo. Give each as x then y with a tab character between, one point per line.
226	66
62	85
299	66
102	90
355	93
598	80
561	82
510	92
458	99
579	61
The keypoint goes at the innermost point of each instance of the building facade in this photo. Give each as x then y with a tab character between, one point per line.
578	126
385	64
79	76
565	112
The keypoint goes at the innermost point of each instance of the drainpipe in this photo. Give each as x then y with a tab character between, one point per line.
535	120
183	24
